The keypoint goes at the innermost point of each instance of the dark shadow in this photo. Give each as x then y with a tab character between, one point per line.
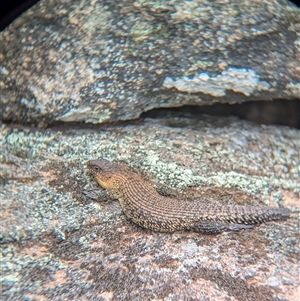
277	112
11	9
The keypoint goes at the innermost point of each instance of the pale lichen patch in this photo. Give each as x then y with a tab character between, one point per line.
242	80
88	114
293	89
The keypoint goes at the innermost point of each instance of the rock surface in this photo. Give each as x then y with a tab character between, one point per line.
97	61
57	244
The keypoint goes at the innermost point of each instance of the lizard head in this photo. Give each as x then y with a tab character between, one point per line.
105	172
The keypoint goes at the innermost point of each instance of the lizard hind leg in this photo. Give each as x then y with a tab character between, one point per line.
218	227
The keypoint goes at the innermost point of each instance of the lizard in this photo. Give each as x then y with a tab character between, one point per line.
143	205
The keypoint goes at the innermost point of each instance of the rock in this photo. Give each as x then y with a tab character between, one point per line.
57	244
99	61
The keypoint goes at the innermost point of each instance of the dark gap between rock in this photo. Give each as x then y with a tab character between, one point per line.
10	10
277	112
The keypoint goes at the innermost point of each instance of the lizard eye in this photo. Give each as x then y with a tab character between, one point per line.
96	168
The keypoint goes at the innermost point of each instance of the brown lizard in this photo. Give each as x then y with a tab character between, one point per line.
145	207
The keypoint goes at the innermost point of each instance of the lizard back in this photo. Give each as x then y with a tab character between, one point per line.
147	208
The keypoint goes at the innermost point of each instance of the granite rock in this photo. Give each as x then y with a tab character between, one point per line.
97	61
58	244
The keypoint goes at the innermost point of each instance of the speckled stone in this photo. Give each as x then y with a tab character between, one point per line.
99	61
57	244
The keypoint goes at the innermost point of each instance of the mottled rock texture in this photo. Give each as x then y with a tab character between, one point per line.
57	244
97	61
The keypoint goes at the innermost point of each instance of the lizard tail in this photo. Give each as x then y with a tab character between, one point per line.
254	215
